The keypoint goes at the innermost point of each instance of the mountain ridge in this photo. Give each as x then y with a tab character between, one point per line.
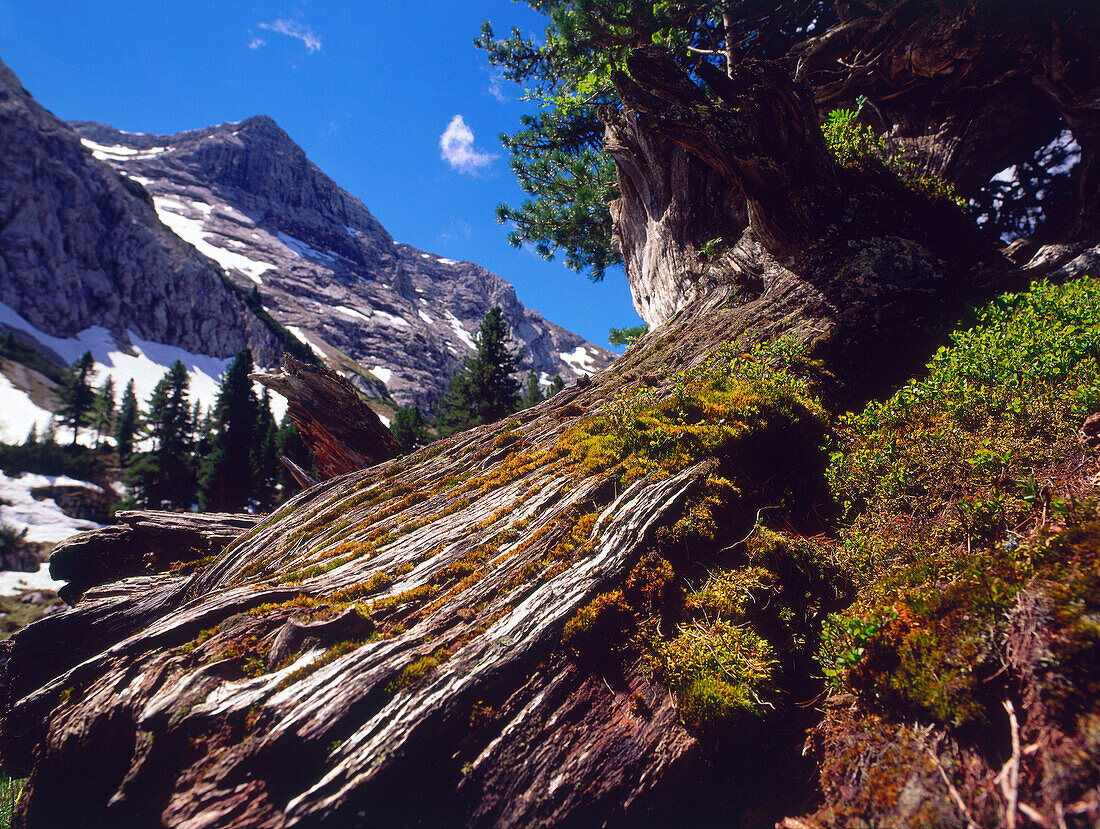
322	264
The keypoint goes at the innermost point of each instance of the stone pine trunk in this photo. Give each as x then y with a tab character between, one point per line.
464	701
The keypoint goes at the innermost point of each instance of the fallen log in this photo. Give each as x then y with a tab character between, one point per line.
145	541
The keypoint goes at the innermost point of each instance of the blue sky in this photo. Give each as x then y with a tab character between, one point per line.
367	88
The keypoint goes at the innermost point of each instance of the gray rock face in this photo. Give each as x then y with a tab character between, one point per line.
81	246
246	195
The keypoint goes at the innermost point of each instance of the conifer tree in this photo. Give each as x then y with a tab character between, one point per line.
483	390
127	424
103	410
75	394
556	385
410	428
267	454
532	394
228	473
165	476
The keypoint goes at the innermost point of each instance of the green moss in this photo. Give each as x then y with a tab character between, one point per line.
604	620
378	581
715	409
720	672
330	655
417	670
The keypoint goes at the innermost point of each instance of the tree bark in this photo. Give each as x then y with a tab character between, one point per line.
343	433
460	703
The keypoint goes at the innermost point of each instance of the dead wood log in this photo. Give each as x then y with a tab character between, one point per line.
343	433
145	541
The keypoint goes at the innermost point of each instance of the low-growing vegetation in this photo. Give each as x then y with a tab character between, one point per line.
954	492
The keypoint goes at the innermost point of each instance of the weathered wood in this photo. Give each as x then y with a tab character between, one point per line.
146	541
343	433
464	706
763	138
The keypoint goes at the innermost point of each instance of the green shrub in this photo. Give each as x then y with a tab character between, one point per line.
856	147
939	482
9	794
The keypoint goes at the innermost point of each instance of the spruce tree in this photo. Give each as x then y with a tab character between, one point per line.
127	424
410	428
103	410
532	394
267	455
75	394
228	474
165	476
483	390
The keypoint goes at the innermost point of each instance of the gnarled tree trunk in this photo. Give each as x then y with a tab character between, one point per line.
460	703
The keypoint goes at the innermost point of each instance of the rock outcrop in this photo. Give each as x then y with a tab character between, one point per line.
81	246
380	312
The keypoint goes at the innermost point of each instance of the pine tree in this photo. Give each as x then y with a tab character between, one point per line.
410	428
483	390
556	385
264	491
75	394
127	424
228	475
103	410
532	394
165	476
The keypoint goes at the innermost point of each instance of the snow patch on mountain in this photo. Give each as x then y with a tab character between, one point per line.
18	413
351	312
43	519
13	582
391	319
118	152
462	333
303	249
297	332
580	359
144	362
383	374
171	212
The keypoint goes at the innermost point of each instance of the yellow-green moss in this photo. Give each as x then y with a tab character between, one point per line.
603	620
713	410
417	670
719	672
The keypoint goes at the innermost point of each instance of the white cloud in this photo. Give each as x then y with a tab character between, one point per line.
295	29
456	147
256	43
496	88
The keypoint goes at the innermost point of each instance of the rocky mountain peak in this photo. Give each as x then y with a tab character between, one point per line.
384	313
83	248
